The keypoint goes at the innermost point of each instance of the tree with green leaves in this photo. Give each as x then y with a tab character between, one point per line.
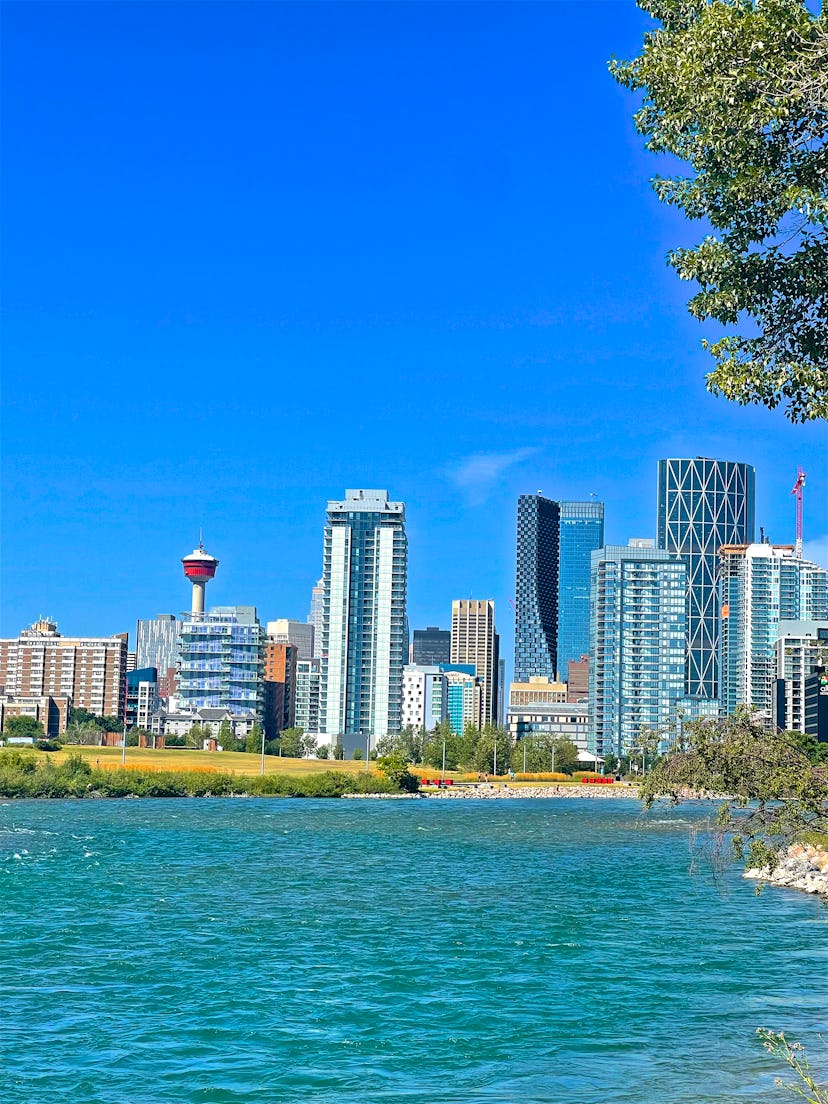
253	740
24	728
309	744
544	752
197	734
774	789
395	769
442	737
738	90
290	741
492	737
226	736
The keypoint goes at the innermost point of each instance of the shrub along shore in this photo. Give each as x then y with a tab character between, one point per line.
22	775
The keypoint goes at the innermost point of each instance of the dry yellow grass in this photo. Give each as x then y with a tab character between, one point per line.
227	762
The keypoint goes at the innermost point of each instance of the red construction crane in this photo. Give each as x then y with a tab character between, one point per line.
797	490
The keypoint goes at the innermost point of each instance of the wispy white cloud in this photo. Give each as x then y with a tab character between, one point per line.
479	473
816	550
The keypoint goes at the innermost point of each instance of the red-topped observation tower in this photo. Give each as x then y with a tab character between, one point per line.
199	567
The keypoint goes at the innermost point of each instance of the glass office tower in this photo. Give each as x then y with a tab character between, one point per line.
703	505
582	532
554	543
364	625
536	587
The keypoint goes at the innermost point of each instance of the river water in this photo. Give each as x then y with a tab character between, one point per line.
270	950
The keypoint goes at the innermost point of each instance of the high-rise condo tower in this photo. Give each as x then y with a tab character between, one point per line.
364	634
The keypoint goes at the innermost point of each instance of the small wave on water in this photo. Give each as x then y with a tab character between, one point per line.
385	952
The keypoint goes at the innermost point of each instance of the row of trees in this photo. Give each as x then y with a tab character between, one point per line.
488	749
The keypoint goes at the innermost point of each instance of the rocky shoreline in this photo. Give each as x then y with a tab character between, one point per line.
488	791
801	867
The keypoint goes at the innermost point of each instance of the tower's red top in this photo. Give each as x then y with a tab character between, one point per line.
200	565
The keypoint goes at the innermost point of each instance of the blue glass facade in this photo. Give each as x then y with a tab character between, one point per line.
555	541
221	662
582	532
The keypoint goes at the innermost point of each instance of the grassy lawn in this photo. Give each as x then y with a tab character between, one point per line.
227	762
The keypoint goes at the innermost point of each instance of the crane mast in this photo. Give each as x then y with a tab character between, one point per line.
797	490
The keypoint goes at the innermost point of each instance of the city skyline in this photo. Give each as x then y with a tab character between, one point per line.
430	302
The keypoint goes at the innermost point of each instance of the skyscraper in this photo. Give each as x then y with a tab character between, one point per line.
703	505
536	587
364	636
554	543
582	531
761	585
475	641
637	631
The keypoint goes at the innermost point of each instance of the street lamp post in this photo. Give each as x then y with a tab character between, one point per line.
443	772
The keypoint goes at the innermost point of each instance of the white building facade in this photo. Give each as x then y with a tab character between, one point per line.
364	626
425	696
761	585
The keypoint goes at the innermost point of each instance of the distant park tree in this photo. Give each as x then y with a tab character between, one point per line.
197	734
395	768
492	737
290	741
543	752
253	740
738	90
358	753
309	744
322	752
226	736
433	751
26	728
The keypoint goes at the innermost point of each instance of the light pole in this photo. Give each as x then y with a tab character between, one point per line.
443	772
263	736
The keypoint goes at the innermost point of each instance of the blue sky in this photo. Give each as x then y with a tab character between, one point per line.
259	253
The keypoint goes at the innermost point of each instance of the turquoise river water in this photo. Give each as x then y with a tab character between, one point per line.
271	950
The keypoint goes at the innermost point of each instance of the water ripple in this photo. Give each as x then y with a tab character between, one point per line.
273	951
